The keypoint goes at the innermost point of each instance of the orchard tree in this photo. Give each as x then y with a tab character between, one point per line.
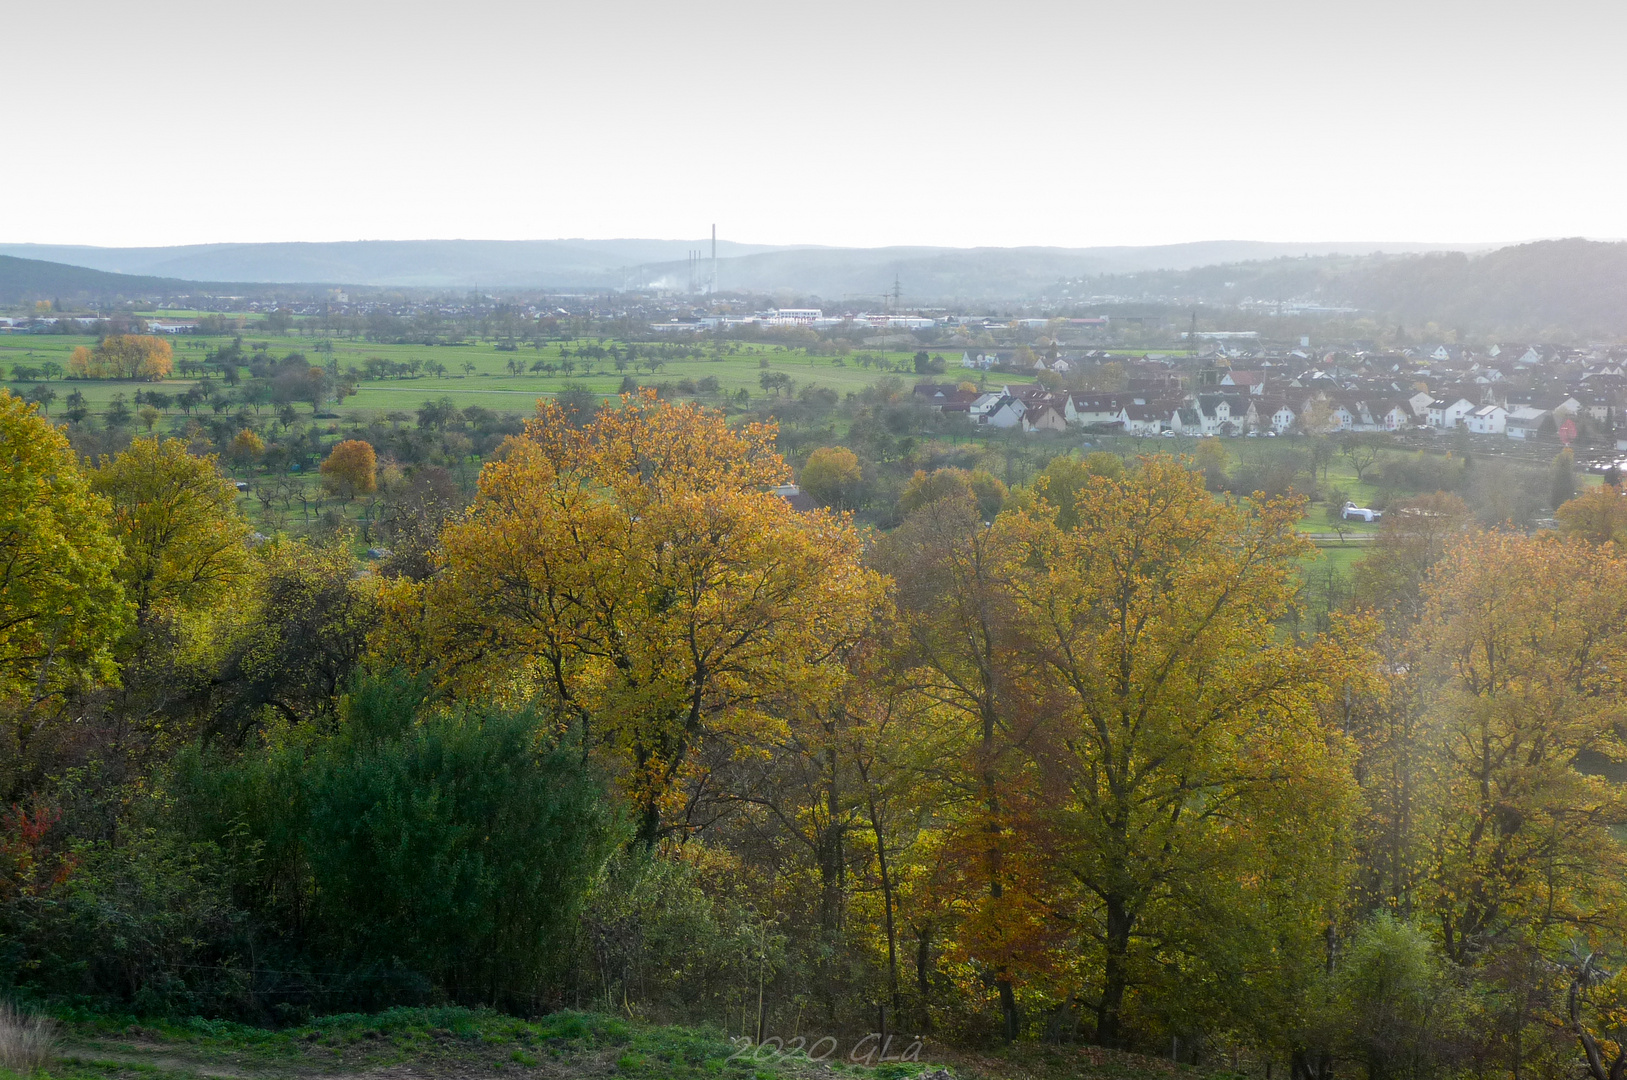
926	488
1360	453
350	469
41	396
832	476
130	356
1066	477
246	448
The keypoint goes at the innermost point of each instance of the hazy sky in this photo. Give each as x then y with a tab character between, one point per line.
1019	122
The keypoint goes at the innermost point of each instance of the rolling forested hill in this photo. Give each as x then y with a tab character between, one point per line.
1575	285
1537	289
23	280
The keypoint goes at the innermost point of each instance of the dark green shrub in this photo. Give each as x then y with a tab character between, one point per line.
447	850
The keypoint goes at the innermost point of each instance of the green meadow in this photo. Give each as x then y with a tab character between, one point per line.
480	373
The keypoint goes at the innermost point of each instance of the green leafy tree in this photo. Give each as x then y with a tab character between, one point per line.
1398	1009
1562	478
61	607
832	475
176	518
925	488
1066	477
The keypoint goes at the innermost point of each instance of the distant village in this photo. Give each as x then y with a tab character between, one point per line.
1512	391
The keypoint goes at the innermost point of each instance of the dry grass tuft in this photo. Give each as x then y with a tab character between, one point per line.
25	1039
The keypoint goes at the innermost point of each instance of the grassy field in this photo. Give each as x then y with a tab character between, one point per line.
478	374
459	1043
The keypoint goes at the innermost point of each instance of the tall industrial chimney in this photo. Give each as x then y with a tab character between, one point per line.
714	259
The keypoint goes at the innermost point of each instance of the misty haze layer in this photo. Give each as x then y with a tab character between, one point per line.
977	273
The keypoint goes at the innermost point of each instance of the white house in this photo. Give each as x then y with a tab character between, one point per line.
1142	420
1279	415
1524	422
997	410
1446	414
1213	411
1096	408
984	404
1487	420
1185	420
1391	415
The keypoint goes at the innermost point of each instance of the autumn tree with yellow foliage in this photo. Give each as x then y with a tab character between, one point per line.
1189	781
639	574
61	606
123	356
832	476
1598	516
1519	830
184	543
962	654
350	469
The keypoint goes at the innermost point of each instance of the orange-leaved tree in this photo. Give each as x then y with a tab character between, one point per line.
350	469
638	575
964	655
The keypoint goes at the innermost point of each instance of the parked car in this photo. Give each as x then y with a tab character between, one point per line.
1352	512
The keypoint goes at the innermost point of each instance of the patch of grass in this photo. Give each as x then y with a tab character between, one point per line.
26	1039
455	1043
431	1042
488	382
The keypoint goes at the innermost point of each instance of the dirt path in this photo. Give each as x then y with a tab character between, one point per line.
166	1059
172	1064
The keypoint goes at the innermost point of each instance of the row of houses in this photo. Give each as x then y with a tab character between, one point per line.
1234	410
1034	408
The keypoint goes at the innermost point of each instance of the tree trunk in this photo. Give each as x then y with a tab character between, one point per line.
886	898
923	978
1008	1009
1115	973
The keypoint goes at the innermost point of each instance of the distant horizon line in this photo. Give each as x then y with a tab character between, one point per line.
1369	245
